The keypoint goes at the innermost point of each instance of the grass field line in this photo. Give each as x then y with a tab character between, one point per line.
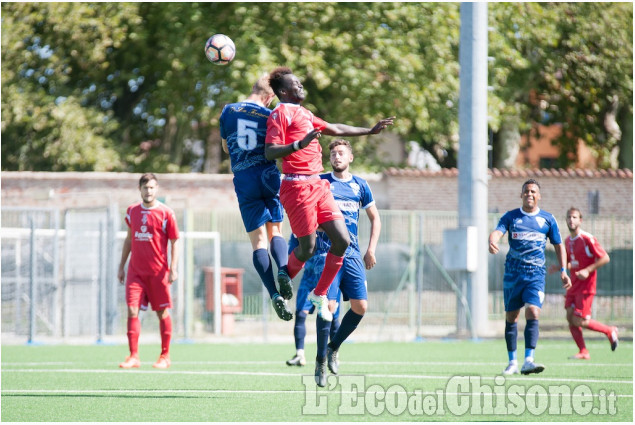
576	363
295	375
200	391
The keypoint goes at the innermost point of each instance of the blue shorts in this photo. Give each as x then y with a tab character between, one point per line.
350	281
523	286
258	192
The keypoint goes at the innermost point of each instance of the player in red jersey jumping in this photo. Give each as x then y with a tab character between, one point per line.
584	256
292	134
151	224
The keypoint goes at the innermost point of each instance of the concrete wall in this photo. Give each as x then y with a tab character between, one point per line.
394	189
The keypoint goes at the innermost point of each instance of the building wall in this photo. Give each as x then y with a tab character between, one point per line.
394	189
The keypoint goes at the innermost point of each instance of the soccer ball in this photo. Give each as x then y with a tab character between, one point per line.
220	49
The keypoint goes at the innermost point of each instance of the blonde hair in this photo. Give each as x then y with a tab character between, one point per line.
262	87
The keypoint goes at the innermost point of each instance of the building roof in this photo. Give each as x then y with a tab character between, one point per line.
523	173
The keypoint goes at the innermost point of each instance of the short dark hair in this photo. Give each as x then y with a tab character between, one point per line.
146	177
574	209
340	142
530	181
276	76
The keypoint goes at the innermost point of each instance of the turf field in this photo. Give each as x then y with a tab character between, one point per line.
427	381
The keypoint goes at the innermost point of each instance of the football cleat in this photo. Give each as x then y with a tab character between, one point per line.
163	362
297	360
613	338
511	369
285	283
130	362
582	355
320	373
321	304
280	306
332	360
531	367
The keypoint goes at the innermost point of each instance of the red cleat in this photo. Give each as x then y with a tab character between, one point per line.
130	362
582	355
163	362
613	338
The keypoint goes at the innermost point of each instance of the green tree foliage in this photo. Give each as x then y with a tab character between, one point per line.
126	86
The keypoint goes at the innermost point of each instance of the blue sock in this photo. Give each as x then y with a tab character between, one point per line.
511	336
531	337
262	263
299	330
335	326
322	327
348	325
279	251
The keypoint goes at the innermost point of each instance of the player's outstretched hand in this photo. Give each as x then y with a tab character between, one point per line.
313	134
566	280
382	125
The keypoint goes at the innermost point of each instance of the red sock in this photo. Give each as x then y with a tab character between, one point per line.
332	265
576	332
599	327
294	265
165	325
134	328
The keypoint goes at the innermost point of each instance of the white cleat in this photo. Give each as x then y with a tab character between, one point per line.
321	304
511	369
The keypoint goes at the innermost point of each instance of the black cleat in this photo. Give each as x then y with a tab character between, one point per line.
320	373
332	360
285	283
280	306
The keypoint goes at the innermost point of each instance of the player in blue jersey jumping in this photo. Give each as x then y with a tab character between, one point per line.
351	193
243	127
528	227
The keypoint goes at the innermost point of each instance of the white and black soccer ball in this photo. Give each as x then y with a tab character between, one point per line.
220	49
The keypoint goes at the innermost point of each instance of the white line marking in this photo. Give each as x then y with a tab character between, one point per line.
197	391
293	375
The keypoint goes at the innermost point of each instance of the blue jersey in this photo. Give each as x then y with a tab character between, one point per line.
244	126
528	233
350	195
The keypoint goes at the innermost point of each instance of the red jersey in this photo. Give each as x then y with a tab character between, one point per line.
290	122
582	251
151	229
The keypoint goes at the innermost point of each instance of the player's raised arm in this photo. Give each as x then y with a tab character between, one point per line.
348	130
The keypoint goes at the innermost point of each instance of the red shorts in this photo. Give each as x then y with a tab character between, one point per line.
308	203
581	304
155	289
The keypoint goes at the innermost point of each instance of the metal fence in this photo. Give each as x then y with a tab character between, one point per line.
59	274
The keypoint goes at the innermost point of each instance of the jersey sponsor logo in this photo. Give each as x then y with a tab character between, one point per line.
143	236
347	205
528	236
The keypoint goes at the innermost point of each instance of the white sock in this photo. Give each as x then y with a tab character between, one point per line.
300	352
529	359
513	362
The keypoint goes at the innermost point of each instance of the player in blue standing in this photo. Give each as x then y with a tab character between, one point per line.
351	193
243	127
528	227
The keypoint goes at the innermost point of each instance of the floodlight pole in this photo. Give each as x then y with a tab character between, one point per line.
472	160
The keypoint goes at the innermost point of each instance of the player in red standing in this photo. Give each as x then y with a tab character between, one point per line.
151	224
584	256
292	134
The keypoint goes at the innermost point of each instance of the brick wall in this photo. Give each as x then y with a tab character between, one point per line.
393	189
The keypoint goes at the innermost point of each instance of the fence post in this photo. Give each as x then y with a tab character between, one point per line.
101	286
32	282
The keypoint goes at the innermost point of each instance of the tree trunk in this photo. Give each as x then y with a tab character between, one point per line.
506	144
625	144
